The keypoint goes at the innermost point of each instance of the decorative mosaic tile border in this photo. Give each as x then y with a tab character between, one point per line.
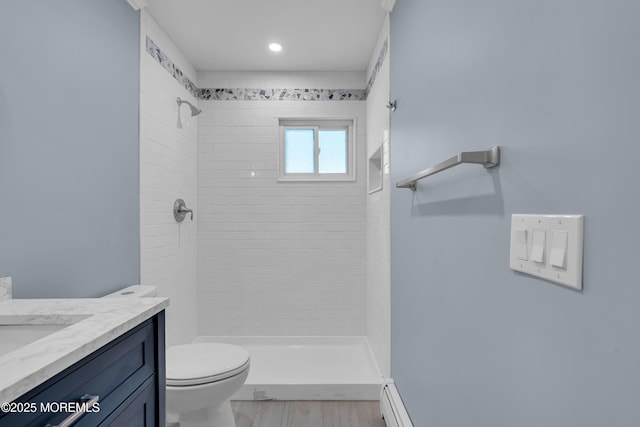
243	94
168	65
239	94
374	73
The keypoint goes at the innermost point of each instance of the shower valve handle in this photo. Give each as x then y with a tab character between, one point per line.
180	210
186	211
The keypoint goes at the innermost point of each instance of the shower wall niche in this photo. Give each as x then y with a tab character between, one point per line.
374	178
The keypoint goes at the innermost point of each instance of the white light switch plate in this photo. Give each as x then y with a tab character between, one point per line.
573	225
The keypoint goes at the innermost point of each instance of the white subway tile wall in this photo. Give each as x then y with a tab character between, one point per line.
168	170
378	208
276	258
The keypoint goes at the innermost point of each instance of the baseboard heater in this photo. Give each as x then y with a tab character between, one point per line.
393	410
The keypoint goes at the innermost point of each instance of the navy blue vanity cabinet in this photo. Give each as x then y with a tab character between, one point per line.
128	375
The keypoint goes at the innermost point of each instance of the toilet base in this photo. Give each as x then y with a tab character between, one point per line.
219	416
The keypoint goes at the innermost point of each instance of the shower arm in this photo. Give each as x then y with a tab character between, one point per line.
194	110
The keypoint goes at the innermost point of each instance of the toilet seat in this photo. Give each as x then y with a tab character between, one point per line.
204	363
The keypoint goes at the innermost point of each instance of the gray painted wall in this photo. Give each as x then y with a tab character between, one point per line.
556	84
69	205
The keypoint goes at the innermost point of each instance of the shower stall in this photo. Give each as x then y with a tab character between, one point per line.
283	269
282	266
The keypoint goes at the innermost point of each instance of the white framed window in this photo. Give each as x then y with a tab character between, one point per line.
316	150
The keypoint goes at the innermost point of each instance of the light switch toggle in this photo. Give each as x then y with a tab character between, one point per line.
537	248
559	249
521	244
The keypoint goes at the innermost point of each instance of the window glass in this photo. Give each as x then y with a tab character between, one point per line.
333	151
299	151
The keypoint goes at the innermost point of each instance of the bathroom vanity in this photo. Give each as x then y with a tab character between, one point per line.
102	359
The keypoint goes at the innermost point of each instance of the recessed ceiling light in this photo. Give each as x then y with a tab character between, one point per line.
275	47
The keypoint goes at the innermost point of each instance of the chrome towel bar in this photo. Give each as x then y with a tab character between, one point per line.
487	158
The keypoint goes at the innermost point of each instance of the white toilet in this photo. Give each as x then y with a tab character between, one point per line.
201	377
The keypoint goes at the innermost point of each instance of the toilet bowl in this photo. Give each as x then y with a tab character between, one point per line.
201	378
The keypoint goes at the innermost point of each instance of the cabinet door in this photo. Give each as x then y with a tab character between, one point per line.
139	410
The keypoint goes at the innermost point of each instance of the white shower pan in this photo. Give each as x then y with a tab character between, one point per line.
307	368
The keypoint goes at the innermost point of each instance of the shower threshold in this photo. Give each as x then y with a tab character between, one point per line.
307	368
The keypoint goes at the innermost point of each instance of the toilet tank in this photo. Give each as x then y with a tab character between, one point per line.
135	291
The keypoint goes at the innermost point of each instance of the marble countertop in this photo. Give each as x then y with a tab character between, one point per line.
93	322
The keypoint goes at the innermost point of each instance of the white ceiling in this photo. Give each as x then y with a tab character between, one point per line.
232	35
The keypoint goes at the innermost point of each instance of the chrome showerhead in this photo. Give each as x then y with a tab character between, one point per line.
194	111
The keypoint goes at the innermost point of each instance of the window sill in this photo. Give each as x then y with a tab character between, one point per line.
316	178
